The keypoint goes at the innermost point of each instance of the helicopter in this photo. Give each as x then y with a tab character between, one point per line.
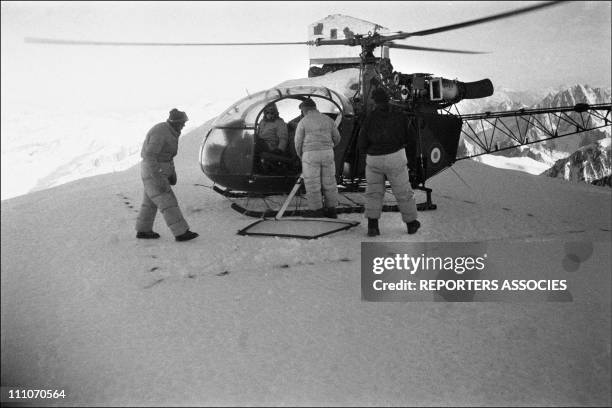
230	158
228	153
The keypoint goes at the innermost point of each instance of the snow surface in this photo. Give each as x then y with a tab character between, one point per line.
226	319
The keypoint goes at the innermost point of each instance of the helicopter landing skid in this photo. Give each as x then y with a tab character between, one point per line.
298	213
427	205
233	194
253	207
295	213
259	205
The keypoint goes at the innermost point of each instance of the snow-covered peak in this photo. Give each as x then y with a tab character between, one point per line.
49	147
575	94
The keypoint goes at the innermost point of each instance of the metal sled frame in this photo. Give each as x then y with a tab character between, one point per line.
340	225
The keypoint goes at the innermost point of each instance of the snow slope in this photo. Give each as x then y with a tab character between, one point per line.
226	319
47	145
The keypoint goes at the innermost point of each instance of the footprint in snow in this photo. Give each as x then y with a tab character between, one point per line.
158	281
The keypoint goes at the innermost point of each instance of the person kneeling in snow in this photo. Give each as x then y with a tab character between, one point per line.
158	174
383	137
315	138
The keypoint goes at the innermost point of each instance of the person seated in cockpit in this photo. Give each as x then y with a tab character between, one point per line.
273	135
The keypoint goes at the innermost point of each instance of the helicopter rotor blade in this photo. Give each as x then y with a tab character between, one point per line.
413	47
482	20
358	40
38	40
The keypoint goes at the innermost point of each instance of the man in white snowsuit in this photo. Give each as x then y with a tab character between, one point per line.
158	174
383	137
315	138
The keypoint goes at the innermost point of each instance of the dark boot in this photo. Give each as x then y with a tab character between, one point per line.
147	235
314	213
330	212
373	227
187	236
413	226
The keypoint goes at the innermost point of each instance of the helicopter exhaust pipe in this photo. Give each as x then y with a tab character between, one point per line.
477	89
442	89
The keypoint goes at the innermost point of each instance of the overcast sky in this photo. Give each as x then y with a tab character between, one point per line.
564	44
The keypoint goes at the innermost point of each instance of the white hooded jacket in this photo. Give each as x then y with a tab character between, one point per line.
315	131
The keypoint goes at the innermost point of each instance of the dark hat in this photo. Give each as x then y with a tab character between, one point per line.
308	103
271	108
380	96
177	116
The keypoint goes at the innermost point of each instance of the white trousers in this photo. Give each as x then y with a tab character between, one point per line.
393	166
319	172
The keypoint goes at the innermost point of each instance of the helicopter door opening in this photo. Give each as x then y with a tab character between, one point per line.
273	156
270	160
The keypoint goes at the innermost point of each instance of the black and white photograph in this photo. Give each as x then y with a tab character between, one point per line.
306	203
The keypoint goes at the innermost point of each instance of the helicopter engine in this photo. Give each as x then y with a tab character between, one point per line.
426	89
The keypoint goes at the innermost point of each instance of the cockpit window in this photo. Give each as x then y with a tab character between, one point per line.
288	109
244	113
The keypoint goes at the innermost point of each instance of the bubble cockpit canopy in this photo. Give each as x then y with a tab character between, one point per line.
245	112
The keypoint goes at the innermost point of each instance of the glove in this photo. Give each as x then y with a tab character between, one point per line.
172	179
